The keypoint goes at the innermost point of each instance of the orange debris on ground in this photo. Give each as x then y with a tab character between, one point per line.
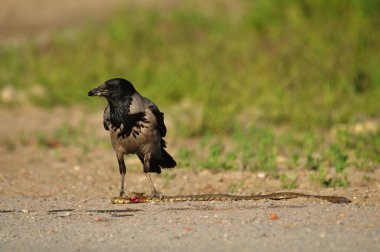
273	216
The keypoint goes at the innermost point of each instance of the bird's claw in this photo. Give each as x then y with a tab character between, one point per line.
156	194
122	195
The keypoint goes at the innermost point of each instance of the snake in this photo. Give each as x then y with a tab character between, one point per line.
141	198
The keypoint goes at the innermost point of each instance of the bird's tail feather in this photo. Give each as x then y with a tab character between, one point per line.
167	161
155	165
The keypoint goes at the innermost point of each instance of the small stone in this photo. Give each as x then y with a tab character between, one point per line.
98	218
7	94
25	210
188	229
273	216
261	175
342	214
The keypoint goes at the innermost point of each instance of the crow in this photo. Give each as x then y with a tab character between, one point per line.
136	126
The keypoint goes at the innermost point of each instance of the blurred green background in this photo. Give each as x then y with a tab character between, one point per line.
304	63
243	69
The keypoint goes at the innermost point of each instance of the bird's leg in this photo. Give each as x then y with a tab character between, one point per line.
153	189
122	169
146	170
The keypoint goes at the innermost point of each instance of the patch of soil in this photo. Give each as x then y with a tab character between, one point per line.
20	18
80	171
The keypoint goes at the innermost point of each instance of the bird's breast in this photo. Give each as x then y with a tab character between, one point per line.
134	132
140	140
123	144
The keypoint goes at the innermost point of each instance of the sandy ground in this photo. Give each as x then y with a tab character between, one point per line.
20	19
57	196
65	224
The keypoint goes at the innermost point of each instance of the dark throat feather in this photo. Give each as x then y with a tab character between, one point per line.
126	122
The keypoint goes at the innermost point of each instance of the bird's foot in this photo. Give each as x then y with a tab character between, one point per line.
132	197
122	195
155	194
131	194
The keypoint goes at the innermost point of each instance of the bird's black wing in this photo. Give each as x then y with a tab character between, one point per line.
160	119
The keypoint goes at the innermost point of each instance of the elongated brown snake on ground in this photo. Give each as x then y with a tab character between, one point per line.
140	198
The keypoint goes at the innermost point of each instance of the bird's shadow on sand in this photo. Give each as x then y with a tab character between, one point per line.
112	212
7	211
127	210
60	210
116	212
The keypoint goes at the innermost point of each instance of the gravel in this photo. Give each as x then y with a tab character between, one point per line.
67	224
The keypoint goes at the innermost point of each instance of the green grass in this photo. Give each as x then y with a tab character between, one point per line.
65	135
310	64
288	182
326	156
365	147
281	155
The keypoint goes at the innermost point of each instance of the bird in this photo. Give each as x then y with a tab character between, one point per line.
136	126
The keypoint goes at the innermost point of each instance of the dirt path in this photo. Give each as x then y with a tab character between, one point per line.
56	196
64	224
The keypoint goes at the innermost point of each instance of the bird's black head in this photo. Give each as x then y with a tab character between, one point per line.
114	89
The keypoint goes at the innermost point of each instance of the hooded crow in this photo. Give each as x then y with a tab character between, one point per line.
136	126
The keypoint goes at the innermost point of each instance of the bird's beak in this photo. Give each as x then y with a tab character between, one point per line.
98	92
94	92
